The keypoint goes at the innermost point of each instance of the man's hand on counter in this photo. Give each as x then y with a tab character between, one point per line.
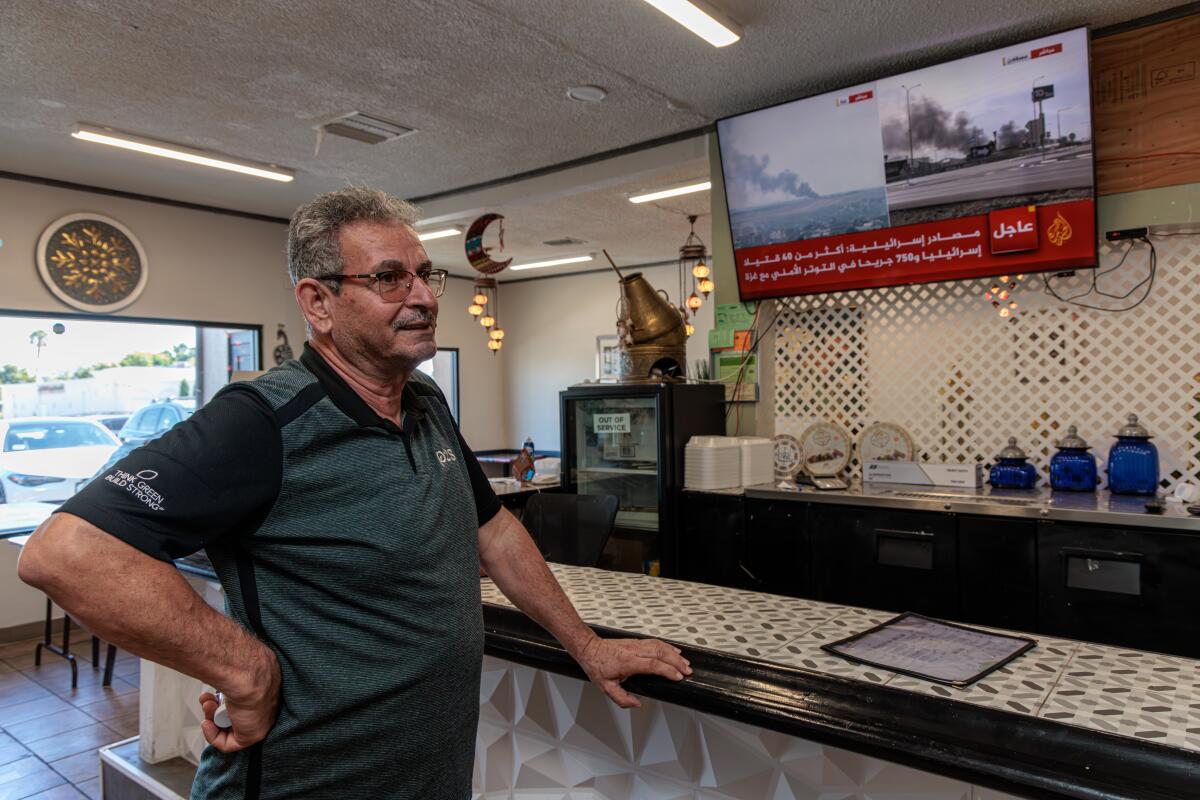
607	662
251	711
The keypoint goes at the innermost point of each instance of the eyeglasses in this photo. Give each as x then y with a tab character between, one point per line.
394	285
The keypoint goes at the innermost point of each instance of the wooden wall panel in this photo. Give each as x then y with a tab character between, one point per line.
1146	98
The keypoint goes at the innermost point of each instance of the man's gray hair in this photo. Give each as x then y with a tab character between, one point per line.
313	248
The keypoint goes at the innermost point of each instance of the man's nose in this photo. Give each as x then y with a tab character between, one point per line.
420	296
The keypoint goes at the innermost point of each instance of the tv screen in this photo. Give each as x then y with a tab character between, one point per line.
977	167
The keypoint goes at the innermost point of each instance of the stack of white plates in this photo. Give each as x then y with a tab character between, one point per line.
712	462
758	460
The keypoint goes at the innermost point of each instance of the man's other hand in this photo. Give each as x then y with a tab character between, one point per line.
251	714
607	662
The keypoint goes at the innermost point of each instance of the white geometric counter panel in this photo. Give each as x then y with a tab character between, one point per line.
543	735
939	360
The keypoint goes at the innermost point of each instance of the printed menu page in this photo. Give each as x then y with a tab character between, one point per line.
927	648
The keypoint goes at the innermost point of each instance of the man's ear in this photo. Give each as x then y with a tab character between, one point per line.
316	304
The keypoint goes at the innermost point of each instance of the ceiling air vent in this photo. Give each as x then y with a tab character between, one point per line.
366	128
563	242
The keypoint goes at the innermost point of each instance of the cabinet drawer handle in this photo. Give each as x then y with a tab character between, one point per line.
910	534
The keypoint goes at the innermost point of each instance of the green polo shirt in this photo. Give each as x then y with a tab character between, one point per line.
350	546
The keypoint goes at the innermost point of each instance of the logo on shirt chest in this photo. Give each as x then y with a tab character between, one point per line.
445	456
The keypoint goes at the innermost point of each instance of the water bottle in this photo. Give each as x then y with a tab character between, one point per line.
529	444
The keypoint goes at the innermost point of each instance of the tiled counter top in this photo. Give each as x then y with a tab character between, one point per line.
1067	719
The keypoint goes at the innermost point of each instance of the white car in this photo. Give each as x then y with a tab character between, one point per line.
46	458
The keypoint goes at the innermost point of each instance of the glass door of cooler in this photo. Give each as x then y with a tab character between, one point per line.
615	451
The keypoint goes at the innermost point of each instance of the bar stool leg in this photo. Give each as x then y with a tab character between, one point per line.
110	659
95	653
48	644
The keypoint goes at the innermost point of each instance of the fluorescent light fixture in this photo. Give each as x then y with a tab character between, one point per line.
442	234
678	190
554	262
140	144
701	20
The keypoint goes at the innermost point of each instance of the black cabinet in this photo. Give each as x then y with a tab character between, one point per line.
997	572
776	554
1131	588
910	560
837	574
711	539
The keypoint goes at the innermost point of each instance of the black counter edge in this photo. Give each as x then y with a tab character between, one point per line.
1010	752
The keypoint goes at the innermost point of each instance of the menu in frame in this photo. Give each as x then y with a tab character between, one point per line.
926	648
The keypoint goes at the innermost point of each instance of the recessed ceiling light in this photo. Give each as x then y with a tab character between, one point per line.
678	190
554	262
141	144
587	94
701	19
442	234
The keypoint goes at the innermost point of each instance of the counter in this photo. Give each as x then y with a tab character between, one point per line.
767	713
767	708
1101	507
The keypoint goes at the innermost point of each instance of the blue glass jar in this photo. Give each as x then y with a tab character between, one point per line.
1133	461
1012	470
1073	468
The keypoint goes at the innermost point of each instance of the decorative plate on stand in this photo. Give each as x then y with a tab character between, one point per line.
885	441
787	457
826	449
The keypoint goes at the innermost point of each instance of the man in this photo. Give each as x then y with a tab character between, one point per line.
347	521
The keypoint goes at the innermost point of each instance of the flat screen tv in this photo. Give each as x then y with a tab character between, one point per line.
978	167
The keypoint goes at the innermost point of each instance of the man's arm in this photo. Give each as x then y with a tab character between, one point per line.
145	606
512	560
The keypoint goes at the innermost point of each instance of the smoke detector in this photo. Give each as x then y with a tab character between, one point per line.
563	242
366	128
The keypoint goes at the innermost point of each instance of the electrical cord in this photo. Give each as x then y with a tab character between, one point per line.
1094	288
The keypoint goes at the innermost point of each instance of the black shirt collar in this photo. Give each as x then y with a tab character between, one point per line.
353	406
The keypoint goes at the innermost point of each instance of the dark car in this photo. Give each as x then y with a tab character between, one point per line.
145	425
152	421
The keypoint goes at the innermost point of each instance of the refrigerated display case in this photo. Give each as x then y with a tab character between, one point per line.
627	440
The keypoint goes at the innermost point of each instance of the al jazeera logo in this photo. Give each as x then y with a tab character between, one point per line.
1059	230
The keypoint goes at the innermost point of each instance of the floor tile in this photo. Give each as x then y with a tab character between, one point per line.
127	724
21	692
72	742
90	788
93	691
20	768
63	791
42	707
79	767
11	750
32	777
49	725
112	707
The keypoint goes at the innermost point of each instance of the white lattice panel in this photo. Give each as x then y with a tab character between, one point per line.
939	360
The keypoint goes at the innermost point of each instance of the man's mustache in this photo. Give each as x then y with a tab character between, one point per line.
418	319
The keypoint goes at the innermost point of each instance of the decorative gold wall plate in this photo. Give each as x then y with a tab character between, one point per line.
92	262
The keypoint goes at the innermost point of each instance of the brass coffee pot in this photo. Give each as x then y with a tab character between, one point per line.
653	339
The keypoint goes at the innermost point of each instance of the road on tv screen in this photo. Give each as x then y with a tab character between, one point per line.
1067	168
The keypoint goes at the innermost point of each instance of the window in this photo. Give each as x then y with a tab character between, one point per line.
443	368
68	381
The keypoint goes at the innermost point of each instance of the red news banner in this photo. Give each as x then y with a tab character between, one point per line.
1023	239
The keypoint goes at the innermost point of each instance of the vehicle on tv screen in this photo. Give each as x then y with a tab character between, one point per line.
977	167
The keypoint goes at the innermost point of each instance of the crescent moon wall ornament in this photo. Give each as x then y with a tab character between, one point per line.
477	254
92	262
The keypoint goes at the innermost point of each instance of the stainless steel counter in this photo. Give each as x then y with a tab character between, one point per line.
1100	508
